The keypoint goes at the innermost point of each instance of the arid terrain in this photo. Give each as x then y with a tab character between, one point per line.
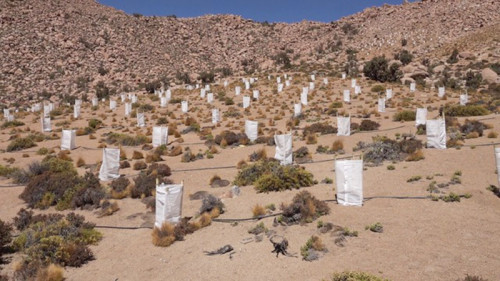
423	238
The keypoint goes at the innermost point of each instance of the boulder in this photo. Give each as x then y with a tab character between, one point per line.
489	75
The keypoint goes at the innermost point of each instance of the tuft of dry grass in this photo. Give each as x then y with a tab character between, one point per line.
492	135
80	162
311	139
337	145
163	236
137	155
205	219
258	210
416	156
51	273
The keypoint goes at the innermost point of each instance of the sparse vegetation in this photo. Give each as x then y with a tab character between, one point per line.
305	208
378	69
376	227
354	276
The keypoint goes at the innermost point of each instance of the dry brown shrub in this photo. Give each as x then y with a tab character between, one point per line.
80	162
416	156
337	145
205	219
163	236
51	273
137	155
258	210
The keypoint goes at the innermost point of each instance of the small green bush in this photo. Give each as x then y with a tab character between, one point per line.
405	115
376	227
465	110
414	178
20	144
127	140
11	124
378	88
354	276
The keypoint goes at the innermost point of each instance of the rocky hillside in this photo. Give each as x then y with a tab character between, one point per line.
69	46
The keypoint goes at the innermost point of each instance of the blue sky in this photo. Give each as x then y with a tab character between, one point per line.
258	10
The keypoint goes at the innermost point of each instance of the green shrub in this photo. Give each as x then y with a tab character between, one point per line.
473	80
54	239
354	276
465	110
414	178
127	140
453	57
269	175
310	249
11	124
20	144
95	123
405	115
378	69
376	227
404	56
378	88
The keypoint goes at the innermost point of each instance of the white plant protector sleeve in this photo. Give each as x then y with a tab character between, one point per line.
110	167
163	102
246	101
76	111
168	94
95	102
441	92
297	109
160	136
349	182
357	90
140	119
464	99
128	108
436	133
202	93
251	129
237	90
68	140
284	149
210	97
413	87
344	126
112	105
303	98
311	86
280	87
388	94
353	83
168	204
256	94
347	96
421	116
46	127
381	105
184	106
215	116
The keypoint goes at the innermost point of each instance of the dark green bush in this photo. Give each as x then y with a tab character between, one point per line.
368	125
95	123
11	124
206	77
378	69
404	56
453	57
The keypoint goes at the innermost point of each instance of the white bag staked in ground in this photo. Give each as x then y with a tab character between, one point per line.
381	105
325	81
283	149
237	90
95	102
388	94
349	182
421	116
202	93
160	136
112	105
9	118
280	87
303	98
46	110
76	111
311	86
68	140
344	76
46	124
122	97
413	87
134	99
140	119
256	94
128	109
6	112
497	160
78	102
464	99
168	94
210	97
278	79
247	85
215	116
163	102
184	106
353	83
110	167
441	92
347	96
251	129
168	204
207	87
246	101
297	109
357	90
226	84
344	126
313	77
287	83
436	133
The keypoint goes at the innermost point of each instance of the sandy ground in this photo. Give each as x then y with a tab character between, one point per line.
422	239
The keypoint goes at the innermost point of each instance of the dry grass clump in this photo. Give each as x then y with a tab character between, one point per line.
163	236
119	188
492	135
310	251
51	273
337	146
258	210
385	149
127	140
108	208
405	115
354	276
140	165
80	162
465	110
20	144
311	139
304	208
473	129
230	138
137	155
368	125
260	154
167	234
416	156
322	128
